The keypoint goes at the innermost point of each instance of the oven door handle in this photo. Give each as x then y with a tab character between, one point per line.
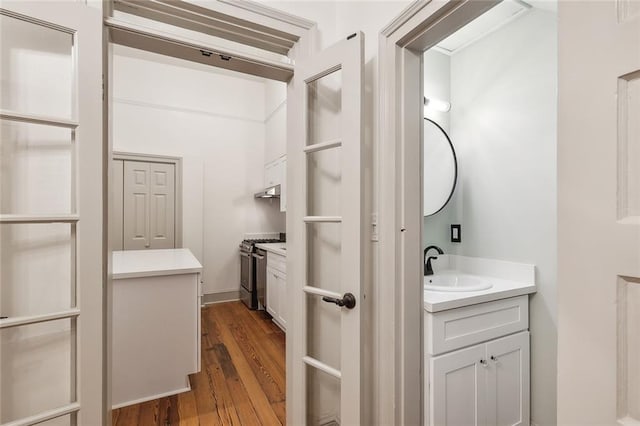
257	256
243	254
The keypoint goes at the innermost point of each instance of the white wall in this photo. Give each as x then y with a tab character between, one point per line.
215	121
437	83
503	124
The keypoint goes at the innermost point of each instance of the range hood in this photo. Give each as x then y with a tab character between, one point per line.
270	192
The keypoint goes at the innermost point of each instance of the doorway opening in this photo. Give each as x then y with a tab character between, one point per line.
214	99
481	95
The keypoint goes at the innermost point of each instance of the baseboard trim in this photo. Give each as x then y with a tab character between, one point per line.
227	296
150	398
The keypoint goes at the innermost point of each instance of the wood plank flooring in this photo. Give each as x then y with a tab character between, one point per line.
242	380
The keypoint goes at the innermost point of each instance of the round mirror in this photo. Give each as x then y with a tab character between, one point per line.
440	168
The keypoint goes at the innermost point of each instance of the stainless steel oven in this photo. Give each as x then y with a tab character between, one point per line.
253	272
247	277
260	257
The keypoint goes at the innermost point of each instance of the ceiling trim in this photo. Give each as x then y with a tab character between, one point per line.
151	40
243	21
271	12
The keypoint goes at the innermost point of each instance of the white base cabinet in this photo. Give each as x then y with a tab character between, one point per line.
277	289
483	384
156	324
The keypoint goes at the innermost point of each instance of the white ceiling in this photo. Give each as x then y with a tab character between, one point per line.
490	21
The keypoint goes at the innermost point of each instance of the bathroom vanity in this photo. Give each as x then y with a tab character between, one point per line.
477	342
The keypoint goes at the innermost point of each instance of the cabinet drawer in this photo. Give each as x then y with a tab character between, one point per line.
277	262
460	327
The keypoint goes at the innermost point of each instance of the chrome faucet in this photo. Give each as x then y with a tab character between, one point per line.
428	270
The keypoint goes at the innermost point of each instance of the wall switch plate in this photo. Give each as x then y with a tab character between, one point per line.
456	233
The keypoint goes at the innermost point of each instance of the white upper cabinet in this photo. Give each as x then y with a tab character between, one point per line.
275	121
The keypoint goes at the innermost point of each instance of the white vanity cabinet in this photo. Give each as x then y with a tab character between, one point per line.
277	288
477	364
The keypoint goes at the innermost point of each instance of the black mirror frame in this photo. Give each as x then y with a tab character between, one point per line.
455	163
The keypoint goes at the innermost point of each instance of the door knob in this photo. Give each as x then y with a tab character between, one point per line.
348	300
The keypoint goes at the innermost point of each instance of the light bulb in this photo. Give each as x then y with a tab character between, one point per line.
436	105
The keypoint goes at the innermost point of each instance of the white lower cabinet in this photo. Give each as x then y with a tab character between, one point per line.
483	384
277	289
486	384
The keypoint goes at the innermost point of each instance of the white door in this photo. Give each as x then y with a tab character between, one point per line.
325	256
136	206
508	381
51	223
458	383
149	205
599	213
162	205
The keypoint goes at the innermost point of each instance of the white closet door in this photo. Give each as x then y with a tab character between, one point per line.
162	207
149	205
136	206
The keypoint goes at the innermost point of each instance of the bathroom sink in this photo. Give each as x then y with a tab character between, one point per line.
454	281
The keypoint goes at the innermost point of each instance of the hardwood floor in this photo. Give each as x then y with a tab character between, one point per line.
242	380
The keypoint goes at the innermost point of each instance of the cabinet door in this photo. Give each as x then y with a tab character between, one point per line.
283	185
508	380
282	297
270	174
136	205
273	295
162	205
458	388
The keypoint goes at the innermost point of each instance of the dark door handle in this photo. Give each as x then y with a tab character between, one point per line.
348	300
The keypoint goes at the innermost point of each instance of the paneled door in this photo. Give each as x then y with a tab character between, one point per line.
599	213
325	316
148	205
51	224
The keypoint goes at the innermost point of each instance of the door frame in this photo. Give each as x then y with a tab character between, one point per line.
254	16
399	305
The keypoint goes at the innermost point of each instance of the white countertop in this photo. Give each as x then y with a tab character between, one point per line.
149	263
508	279
436	301
276	248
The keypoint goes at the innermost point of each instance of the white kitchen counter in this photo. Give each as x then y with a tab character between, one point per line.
275	248
149	263
155	324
